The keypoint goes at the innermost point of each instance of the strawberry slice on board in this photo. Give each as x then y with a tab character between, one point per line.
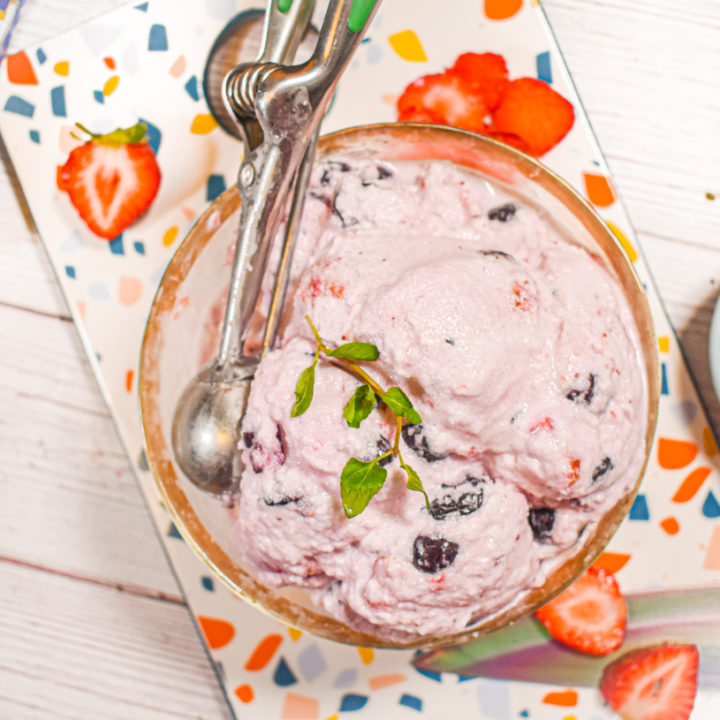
589	616
653	683
111	179
533	111
486	72
444	98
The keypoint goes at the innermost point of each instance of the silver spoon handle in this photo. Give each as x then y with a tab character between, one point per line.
284	29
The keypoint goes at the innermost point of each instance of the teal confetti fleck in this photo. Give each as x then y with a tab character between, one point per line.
639	509
283	675
544	70
35	136
711	507
411	701
139	247
142	462
192	89
18	106
158	38
352	702
524	713
436	676
116	245
153	134
207	583
172	531
57	101
70	271
664	390
41	56
142	7
99	96
215	186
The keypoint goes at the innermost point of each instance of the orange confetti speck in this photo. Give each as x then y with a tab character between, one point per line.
263	652
81	308
244	693
203	123
294	634
62	68
612	562
501	9
408	46
170	236
691	484
382	681
670	525
20	70
109	63
563	698
675	454
218	633
129	380
598	189
300	707
709	444
367	655
129	290
178	67
111	85
664	344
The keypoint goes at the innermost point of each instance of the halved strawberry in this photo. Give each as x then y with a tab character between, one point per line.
443	98
590	615
111	179
486	72
653	683
533	111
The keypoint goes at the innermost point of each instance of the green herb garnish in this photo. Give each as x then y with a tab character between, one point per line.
361	480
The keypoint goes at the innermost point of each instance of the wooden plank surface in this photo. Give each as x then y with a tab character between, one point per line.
93	624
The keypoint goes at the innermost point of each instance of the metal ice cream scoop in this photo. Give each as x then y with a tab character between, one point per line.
289	103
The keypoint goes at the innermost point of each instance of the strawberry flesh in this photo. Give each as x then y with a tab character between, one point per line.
653	683
589	616
487	73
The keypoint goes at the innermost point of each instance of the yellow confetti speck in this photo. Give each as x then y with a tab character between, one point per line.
570	717
367	655
111	85
620	235
294	633
709	443
408	46
664	344
170	236
62	68
202	124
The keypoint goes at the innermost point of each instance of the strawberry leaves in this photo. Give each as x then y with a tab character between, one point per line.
361	480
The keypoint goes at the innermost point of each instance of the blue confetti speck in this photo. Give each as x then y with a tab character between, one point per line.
544	71
524	713
711	507
312	663
99	96
191	86
352	702
345	679
153	133
436	676
139	246
158	38
172	531
639	509
412	702
41	56
116	245
142	461
142	6
207	583
57	101
35	136
70	271
284	676
17	105
664	390
215	186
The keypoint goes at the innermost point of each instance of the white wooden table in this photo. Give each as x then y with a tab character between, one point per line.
92	624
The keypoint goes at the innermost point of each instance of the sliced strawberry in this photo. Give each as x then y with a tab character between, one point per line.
444	98
486	72
533	111
589	616
654	683
111	179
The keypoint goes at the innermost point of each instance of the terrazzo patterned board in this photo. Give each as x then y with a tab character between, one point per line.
145	61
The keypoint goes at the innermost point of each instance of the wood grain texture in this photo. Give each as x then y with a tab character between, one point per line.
73	646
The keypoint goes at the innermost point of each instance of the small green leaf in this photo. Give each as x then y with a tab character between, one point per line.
359	406
358	351
414	482
400	404
359	483
304	390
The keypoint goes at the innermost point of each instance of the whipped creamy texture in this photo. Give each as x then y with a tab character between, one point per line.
519	352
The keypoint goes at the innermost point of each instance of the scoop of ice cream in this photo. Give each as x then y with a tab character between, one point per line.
516	347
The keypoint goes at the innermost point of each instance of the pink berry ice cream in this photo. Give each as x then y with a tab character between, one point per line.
518	350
